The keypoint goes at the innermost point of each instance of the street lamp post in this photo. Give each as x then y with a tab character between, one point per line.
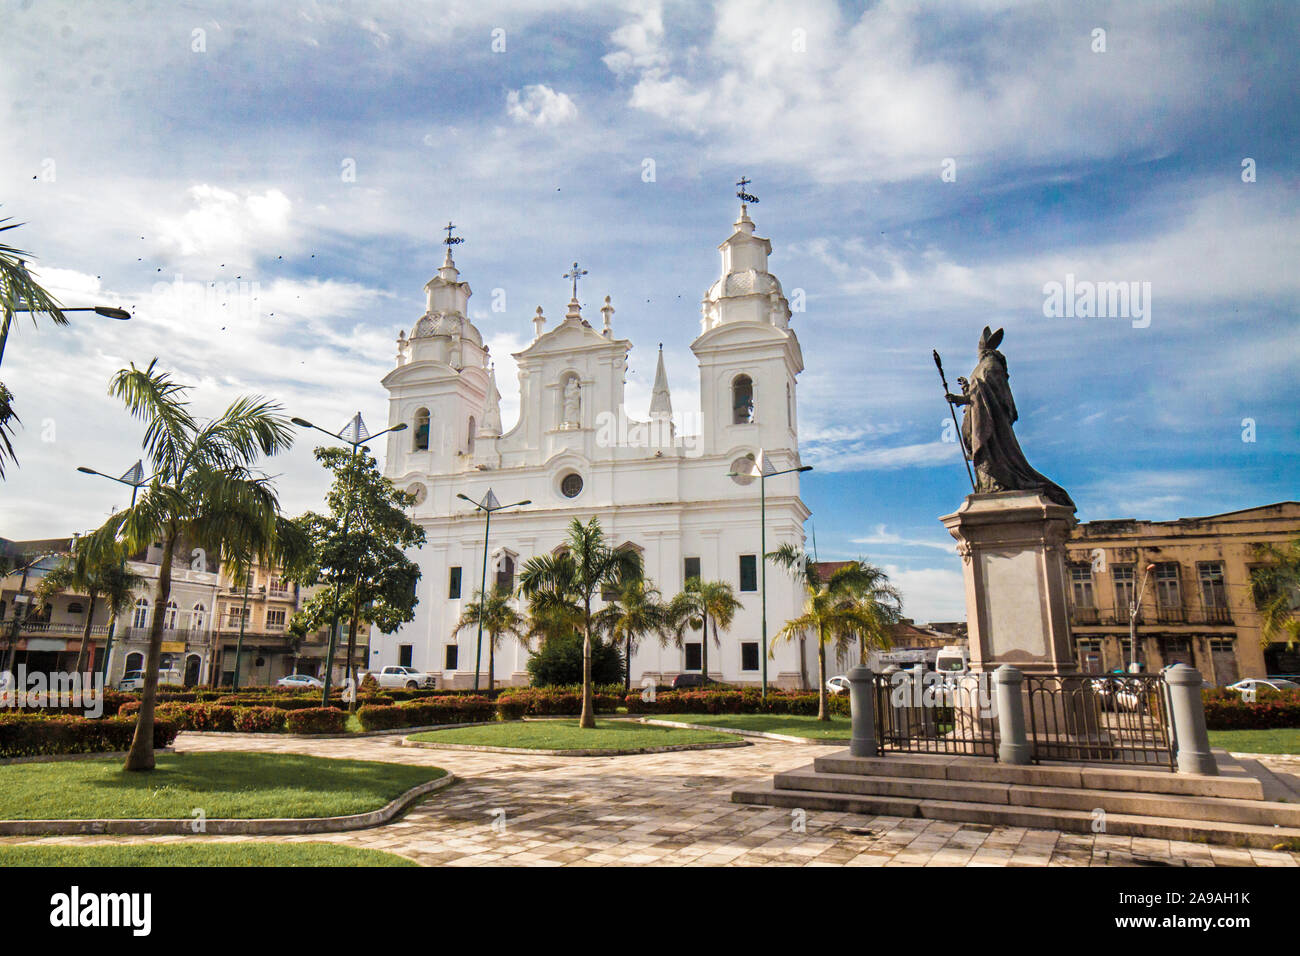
763	469
488	505
107	311
1134	608
357	428
135	480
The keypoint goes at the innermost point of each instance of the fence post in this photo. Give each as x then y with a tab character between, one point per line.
862	705
1188	707
1013	743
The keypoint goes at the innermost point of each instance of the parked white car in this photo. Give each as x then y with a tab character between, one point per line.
1255	683
131	680
300	681
838	684
407	677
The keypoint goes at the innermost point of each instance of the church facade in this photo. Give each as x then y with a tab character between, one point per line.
685	498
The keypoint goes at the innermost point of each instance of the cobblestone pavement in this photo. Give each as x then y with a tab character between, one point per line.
674	809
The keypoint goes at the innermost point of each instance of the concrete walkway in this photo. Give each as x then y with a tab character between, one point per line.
674	809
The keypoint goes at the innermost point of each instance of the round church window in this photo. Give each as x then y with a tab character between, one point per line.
571	485
743	470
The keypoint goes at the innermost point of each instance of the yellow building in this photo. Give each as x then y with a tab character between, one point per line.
1193	578
269	650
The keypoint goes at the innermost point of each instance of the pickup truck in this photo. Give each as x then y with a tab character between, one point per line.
397	676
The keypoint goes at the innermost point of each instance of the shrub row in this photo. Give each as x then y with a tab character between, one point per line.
32	735
734	702
1226	713
420	713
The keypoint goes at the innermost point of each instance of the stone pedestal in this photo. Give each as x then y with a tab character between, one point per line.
1012	545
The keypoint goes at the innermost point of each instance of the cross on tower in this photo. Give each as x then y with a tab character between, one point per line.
575	274
742	195
450	241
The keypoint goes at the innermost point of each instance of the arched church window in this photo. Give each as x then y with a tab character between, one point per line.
421	440
742	400
469	442
505	566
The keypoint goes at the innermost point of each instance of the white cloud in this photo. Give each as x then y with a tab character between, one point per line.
540	105
224	222
881	535
858	458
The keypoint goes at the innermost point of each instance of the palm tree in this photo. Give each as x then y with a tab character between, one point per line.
203	490
499	618
98	570
700	603
855	601
1276	589
573	576
636	610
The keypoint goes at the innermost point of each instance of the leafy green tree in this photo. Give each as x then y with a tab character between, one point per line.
558	662
97	569
636	610
853	603
1275	587
18	290
369	578
499	619
203	488
574	576
698	605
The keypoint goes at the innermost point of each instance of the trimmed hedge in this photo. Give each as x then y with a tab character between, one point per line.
1265	714
748	701
32	735
421	713
316	720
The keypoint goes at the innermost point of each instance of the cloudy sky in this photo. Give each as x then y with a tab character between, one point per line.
265	185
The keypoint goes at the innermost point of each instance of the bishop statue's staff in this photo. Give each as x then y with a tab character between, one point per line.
965	456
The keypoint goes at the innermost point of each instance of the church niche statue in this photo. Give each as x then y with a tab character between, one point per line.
571	404
986	429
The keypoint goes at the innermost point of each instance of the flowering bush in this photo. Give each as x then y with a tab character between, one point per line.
30	735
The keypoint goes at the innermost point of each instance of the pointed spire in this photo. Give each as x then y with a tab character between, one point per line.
661	403
492	412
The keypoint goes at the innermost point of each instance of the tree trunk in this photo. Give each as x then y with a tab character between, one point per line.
140	756
350	668
821	677
85	634
627	674
704	653
492	662
588	718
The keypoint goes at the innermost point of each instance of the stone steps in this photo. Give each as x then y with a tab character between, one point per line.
1074	821
1177	806
1229	808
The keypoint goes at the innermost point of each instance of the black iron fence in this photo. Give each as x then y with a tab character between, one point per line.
1109	719
1070	717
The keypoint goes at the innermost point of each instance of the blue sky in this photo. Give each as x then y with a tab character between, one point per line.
139	151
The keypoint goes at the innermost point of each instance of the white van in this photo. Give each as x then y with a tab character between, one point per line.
953	661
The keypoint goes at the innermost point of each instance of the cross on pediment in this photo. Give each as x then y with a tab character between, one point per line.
742	195
450	240
575	274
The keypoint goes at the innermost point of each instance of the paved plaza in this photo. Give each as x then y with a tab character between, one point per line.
674	809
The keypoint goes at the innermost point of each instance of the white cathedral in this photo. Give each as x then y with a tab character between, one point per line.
686	499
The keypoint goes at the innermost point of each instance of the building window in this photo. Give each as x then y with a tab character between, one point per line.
469	439
420	441
748	572
75	607
453	585
236	615
404	654
141	616
690	569
198	614
1081	585
277	587
1214	592
1175	650
571	485
1168	594
693	657
749	656
505	567
1089	656
275	620
1123	575
134	661
451	657
742	400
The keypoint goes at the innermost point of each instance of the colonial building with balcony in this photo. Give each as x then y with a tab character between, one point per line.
262	607
1190	582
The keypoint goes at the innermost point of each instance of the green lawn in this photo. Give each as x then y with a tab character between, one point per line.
221	784
198	854
1258	741
567	735
789	724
